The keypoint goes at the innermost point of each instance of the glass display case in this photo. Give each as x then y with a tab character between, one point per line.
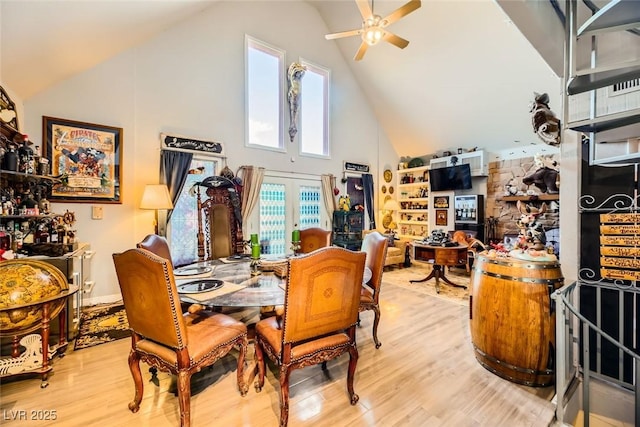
347	229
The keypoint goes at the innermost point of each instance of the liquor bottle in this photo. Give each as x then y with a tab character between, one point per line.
28	237
18	237
5	239
53	234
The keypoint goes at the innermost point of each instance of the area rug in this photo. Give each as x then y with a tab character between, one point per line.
402	276
101	324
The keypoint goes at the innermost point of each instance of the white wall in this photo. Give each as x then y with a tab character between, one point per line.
190	81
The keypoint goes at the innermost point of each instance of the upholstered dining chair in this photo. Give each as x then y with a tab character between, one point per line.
156	244
320	315
375	246
314	238
165	338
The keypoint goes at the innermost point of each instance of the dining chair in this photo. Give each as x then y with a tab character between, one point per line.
318	324
314	238
165	338
156	244
374	245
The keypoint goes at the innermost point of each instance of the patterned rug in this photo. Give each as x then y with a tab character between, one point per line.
402	276
101	324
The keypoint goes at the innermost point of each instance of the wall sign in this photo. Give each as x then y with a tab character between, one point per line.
620	246
356	167
182	143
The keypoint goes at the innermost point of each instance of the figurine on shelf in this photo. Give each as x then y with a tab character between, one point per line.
25	153
532	234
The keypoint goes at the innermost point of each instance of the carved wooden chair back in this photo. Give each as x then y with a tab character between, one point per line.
314	238
320	315
160	331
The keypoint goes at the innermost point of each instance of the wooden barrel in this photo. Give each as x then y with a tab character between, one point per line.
512	318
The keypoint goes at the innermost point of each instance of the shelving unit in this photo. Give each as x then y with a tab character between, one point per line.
540	197
602	98
413	197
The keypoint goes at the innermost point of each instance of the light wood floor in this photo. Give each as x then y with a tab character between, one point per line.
424	374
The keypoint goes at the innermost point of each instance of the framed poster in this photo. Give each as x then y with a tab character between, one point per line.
86	157
441	217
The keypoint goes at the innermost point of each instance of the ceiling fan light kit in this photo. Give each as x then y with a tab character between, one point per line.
373	27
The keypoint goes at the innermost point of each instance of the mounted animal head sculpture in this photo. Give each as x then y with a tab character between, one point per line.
546	176
545	123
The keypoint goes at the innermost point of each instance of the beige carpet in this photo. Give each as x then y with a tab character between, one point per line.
402	276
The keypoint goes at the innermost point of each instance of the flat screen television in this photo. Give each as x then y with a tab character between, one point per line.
450	178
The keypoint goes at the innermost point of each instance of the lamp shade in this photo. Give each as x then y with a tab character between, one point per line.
391	205
156	196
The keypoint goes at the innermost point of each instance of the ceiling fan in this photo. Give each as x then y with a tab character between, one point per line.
374	27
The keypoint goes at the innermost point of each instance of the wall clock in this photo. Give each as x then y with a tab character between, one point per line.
388	175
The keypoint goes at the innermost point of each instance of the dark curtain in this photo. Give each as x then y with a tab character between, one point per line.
367	183
174	167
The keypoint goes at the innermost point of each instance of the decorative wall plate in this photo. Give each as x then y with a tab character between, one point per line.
390	189
384	189
388	175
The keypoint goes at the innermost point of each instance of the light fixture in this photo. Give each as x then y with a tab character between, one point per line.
156	197
372	30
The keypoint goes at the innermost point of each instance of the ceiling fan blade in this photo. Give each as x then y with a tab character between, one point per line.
361	51
343	34
400	12
365	9
395	40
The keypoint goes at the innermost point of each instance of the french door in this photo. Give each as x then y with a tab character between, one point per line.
287	203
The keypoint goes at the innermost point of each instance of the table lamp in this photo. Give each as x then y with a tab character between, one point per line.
156	197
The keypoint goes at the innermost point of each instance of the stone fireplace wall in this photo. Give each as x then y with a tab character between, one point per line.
501	174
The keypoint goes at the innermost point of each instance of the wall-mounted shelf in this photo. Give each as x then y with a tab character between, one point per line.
540	197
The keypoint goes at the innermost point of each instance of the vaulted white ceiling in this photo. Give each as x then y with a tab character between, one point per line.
465	80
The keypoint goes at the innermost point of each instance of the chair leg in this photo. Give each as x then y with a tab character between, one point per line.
284	395
353	361
184	398
259	357
242	385
134	367
376	321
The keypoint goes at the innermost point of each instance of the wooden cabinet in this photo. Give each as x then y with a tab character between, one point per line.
347	229
413	198
475	160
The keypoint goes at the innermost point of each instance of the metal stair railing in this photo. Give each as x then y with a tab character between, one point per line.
572	336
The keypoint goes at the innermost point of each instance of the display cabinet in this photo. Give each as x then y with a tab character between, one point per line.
475	160
413	198
76	266
26	223
347	229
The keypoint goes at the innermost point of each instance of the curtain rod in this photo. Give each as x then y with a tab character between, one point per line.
270	172
195	153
